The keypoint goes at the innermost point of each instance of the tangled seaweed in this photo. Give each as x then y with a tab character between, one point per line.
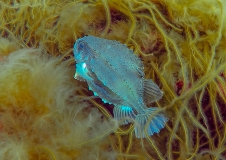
182	45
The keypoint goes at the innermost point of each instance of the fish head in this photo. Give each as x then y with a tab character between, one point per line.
82	55
82	52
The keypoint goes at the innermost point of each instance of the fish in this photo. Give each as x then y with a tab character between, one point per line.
115	74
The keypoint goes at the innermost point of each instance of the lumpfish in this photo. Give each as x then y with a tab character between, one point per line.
115	74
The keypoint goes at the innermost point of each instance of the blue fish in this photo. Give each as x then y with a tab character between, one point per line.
115	74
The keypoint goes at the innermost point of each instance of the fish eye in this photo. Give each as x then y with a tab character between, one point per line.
81	45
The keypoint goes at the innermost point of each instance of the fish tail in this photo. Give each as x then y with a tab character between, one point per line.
155	123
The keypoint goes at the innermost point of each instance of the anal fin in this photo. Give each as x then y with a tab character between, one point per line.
124	112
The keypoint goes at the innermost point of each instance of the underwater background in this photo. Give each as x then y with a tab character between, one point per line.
46	114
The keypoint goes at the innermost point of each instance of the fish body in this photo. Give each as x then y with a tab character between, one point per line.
115	74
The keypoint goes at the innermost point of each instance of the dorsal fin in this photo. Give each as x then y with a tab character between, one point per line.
151	92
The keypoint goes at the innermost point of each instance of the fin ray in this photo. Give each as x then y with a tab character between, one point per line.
121	112
155	125
151	92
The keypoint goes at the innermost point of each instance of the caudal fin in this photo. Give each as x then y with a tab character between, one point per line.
155	123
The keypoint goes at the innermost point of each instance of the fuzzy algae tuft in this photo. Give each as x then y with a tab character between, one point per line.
40	115
181	42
